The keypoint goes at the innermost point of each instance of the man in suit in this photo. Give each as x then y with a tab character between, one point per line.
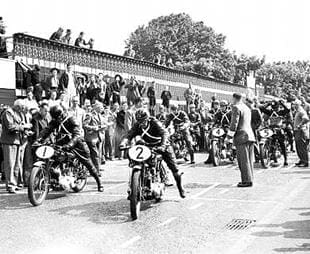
67	82
12	139
240	130
94	127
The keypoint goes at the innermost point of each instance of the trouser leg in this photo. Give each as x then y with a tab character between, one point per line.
10	157
94	154
301	146
245	161
188	142
27	163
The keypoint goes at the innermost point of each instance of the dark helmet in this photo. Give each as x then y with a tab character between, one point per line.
56	112
141	115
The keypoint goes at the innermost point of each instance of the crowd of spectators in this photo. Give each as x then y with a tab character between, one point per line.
65	38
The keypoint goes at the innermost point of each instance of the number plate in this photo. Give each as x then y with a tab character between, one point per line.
218	132
139	153
266	133
45	152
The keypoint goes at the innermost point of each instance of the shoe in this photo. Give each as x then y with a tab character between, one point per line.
103	162
100	188
192	162
178	180
285	164
303	165
19	187
298	163
248	184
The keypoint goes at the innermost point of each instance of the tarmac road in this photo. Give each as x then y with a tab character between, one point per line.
276	213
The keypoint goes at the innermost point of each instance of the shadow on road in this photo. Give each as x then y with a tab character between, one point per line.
109	212
299	229
296	172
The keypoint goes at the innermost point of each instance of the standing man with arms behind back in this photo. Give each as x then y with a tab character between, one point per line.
240	130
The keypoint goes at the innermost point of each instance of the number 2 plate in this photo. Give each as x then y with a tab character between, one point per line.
139	153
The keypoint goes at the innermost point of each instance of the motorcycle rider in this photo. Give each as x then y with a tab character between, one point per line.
223	116
180	119
215	108
274	110
195	123
161	116
68	135
155	135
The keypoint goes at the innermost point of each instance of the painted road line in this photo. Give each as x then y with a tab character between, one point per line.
244	242
205	190
195	206
223	191
238	200
166	222
130	242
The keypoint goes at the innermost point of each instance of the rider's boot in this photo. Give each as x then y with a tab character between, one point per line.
178	180
97	178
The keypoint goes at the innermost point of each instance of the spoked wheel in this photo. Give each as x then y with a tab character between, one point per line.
264	155
38	186
135	197
216	153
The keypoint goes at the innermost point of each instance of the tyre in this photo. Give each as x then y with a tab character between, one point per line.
264	155
38	187
215	151
135	197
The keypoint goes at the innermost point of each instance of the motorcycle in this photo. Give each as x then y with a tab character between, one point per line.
56	169
147	177
220	150
195	133
179	144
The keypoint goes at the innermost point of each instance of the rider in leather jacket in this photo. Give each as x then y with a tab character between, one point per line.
180	119
155	135
195	122
68	135
277	109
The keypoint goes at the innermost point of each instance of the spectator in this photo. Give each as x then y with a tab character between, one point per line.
56	36
40	120
36	82
109	133
92	89
13	131
3	48
166	97
94	126
76	111
189	96
103	87
81	88
170	63
53	82
161	116
63	100
80	42
91	43
130	52
157	59
129	117
67	37
152	98
52	100
67	82
120	129
116	88
301	132
29	101
132	90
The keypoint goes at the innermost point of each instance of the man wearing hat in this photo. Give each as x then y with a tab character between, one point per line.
240	130
53	82
301	133
195	123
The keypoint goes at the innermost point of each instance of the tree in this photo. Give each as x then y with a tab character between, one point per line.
191	45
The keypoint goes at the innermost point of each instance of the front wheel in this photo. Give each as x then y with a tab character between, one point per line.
38	186
215	151
81	179
135	199
264	155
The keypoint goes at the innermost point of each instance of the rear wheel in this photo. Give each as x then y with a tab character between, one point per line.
38	186
264	155
215	151
135	199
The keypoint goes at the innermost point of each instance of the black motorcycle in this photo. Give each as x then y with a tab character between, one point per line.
178	143
56	169
147	177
